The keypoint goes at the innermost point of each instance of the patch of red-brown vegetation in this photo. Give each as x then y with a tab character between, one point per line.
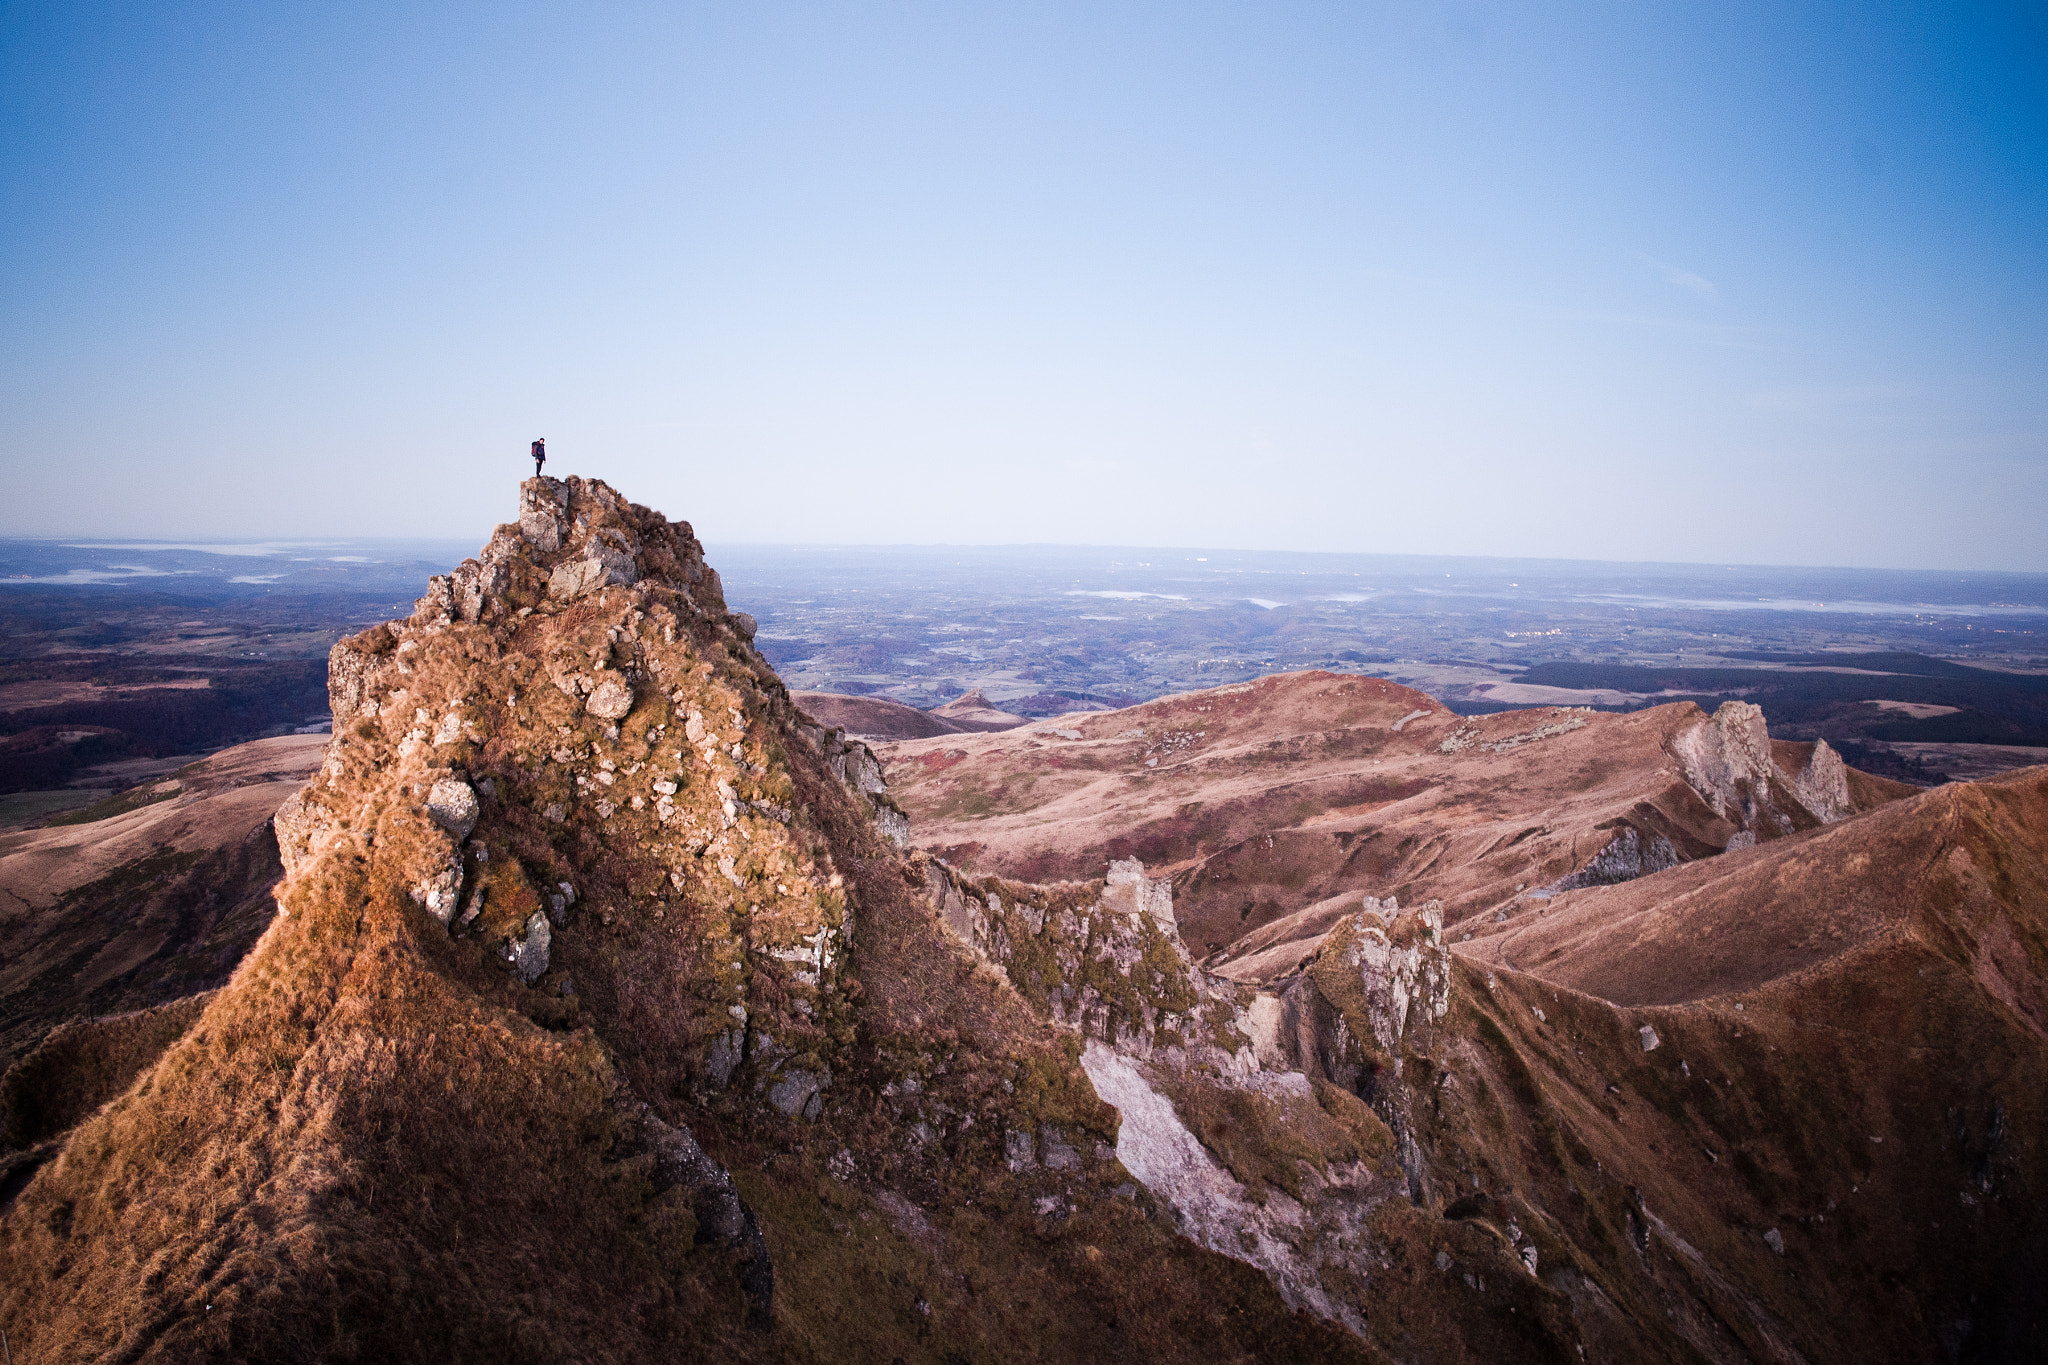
1263	798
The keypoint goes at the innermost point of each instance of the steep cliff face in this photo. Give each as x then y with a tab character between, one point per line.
1673	1114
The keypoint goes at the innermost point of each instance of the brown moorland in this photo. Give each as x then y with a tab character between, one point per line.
873	717
152	894
1262	800
602	1020
1828	1143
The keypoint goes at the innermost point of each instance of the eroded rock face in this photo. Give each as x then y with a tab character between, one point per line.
1823	785
294	827
1268	1229
855	764
1727	760
1103	958
1107	961
1629	855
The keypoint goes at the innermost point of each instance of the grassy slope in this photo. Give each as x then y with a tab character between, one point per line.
374	1143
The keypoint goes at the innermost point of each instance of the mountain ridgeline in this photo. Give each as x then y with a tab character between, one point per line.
614	1008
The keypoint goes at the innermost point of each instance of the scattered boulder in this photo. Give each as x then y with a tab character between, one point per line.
453	804
1648	1036
529	955
611	699
440	889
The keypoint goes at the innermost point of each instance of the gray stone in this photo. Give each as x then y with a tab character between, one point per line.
1627	856
600	566
440	890
1774	1241
745	625
795	1090
452	803
722	1057
611	699
1020	1150
1648	1036
529	956
1823	785
575	577
1057	1153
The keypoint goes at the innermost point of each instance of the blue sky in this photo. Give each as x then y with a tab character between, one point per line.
1731	283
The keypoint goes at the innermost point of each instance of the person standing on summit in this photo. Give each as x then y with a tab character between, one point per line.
540	455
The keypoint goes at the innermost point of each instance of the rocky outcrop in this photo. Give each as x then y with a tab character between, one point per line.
1823	785
672	1160
1727	759
1630	854
1203	1070
1294	1241
1103	959
855	765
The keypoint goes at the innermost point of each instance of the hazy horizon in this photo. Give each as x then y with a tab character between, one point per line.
447	551
1691	284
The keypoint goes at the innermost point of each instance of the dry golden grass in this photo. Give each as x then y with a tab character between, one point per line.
375	1143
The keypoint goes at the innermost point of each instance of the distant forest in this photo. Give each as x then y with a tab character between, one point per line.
1991	707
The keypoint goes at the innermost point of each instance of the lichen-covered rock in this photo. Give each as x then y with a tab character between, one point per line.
1389	967
854	764
1104	958
1128	890
529	953
453	804
611	699
1212	1207
797	1092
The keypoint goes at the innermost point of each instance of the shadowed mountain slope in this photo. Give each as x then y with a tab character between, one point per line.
150	895
599	1021
873	717
603	1018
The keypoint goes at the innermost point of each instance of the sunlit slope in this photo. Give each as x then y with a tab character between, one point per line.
1264	799
599	1021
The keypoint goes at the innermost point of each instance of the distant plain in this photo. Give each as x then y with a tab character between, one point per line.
123	660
